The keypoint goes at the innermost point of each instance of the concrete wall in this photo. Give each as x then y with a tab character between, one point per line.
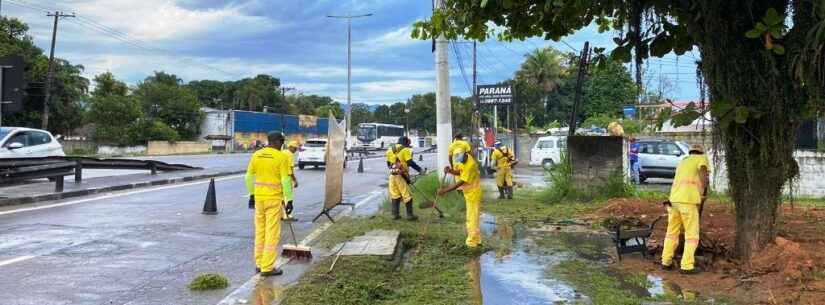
120	151
156	148
79	145
594	159
811	181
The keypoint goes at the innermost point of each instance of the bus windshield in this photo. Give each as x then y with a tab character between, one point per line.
367	133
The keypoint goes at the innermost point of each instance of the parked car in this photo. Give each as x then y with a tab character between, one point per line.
19	142
547	151
659	158
313	153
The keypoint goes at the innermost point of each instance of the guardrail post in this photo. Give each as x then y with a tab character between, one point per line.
153	167
58	184
78	171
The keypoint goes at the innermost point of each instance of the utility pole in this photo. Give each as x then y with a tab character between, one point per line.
2	70
583	61
476	110
283	118
349	18
443	112
50	78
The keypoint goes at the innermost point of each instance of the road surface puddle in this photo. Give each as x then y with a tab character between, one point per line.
526	274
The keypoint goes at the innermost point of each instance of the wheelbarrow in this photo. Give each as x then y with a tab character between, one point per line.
634	240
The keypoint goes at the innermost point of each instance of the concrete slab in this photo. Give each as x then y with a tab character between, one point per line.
376	242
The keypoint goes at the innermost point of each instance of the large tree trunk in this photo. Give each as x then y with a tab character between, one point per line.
758	153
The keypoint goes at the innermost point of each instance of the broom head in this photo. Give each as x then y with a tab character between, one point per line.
297	252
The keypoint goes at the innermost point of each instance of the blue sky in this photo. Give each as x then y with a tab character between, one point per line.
294	41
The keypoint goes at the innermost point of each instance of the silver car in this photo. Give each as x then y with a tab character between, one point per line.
659	158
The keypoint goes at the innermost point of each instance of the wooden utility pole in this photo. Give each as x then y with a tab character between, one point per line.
50	78
583	62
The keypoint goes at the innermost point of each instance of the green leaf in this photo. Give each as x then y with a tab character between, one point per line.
761	27
772	17
662	45
483	3
741	115
778	49
753	33
507	4
621	54
776	32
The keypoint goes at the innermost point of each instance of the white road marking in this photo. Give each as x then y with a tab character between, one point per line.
62	204
16	260
235	296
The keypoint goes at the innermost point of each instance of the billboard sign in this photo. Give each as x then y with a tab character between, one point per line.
12	86
494	95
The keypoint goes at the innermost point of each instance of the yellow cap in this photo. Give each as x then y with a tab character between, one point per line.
697	147
292	144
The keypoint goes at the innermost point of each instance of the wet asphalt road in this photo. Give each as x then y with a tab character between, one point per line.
144	246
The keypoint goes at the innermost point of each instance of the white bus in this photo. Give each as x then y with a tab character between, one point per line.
377	135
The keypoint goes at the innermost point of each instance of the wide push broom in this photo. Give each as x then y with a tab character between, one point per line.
295	250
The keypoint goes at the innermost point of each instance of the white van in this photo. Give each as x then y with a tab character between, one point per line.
547	151
19	142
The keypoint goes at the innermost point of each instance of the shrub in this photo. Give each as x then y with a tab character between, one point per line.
209	281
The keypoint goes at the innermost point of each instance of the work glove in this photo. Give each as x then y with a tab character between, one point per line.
289	207
252	201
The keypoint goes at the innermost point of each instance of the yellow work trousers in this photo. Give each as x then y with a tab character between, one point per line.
504	177
268	212
399	188
473	229
678	216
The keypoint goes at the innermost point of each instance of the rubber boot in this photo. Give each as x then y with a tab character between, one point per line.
509	192
410	215
396	203
501	192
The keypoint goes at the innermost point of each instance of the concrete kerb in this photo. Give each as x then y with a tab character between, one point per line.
4	202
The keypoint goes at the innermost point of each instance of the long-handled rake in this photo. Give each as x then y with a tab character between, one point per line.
295	251
428	201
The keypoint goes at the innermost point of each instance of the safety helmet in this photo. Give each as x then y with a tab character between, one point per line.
497	144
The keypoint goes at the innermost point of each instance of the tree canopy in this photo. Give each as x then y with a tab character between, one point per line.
763	62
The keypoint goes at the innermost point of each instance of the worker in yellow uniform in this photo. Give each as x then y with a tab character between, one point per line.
687	194
505	160
469	181
399	161
267	179
291	148
458	142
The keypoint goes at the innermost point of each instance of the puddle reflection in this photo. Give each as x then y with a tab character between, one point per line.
267	292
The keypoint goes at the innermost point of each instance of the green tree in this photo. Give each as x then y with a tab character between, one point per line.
361	114
212	93
763	61
115	115
68	90
607	89
164	99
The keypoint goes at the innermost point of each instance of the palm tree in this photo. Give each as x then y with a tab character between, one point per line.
542	68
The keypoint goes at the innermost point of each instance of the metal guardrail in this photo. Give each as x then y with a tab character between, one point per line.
22	169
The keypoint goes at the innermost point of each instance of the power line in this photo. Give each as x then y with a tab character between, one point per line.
461	66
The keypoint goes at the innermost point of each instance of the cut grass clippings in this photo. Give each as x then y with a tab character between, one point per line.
209	281
435	272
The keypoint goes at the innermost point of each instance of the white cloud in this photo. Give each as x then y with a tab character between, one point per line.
397	86
396	38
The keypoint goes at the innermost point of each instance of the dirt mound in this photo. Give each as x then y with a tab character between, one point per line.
786	257
790	271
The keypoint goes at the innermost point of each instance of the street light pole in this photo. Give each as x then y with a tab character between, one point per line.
349	18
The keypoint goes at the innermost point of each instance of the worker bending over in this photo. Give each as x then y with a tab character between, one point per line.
469	181
399	161
689	191
505	160
267	178
291	148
